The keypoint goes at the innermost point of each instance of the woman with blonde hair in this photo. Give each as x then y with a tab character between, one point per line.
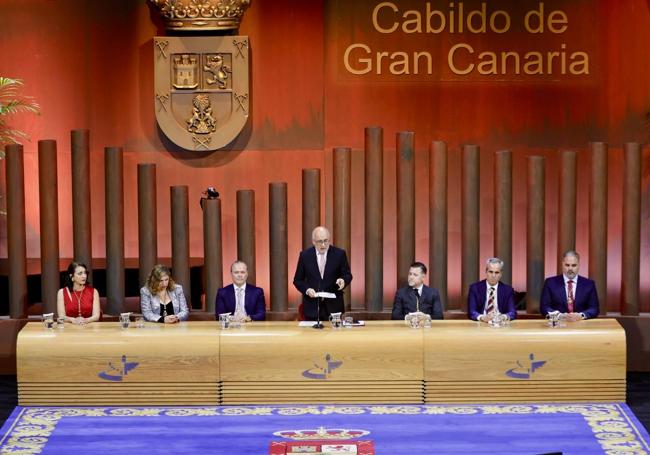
162	300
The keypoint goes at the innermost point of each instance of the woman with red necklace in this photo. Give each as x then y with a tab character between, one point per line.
77	301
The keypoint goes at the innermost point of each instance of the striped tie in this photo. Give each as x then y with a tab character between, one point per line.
490	302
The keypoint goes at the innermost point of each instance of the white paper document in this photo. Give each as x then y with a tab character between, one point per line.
326	295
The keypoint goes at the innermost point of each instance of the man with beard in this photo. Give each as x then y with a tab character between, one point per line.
569	293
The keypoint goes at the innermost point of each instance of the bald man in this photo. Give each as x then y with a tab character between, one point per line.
322	267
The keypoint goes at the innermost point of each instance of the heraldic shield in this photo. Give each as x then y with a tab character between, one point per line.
202	90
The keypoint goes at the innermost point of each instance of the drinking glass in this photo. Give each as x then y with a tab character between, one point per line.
125	320
48	320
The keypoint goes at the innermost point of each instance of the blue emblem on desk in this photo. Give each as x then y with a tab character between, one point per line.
117	373
525	370
322	372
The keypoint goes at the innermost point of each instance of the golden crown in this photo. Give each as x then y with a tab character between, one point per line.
321	433
201	15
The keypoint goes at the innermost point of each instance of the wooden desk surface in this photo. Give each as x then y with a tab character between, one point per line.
279	362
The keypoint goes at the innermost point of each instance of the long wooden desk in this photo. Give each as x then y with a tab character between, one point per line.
279	362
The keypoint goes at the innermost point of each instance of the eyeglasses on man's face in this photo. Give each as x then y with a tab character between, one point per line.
322	242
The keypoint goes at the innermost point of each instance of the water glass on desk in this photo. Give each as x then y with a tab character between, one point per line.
60	322
125	320
48	320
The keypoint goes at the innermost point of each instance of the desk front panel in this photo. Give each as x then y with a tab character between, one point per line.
101	363
280	362
473	362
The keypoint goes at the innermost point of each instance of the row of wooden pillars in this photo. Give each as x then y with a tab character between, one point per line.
341	229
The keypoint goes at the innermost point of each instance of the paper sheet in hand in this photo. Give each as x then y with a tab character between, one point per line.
326	295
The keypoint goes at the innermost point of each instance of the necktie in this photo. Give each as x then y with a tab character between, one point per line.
321	264
489	308
569	299
240	310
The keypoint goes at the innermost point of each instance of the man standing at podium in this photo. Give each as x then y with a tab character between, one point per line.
570	293
322	268
417	296
489	296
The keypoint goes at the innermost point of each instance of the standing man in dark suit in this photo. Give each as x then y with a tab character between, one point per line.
490	294
322	268
245	301
570	293
417	296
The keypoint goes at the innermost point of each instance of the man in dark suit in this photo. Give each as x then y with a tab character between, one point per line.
322	268
416	296
570	293
490	294
245	301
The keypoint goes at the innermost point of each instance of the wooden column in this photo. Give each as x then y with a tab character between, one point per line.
278	245
470	219
566	222
114	191
49	213
342	207
147	220
598	222
631	230
503	211
535	233
310	204
212	251
405	204
16	235
181	239
374	218
438	218
246	231
81	224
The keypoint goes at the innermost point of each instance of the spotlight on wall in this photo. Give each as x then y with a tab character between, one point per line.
209	193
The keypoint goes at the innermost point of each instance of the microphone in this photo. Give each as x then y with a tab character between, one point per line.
417	299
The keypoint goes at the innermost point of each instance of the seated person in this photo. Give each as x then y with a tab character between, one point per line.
488	295
78	301
162	300
417	296
571	294
244	301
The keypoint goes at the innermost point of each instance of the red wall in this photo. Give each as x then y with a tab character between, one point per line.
90	65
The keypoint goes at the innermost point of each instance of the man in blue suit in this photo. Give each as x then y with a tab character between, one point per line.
244	301
417	296
570	293
491	294
322	268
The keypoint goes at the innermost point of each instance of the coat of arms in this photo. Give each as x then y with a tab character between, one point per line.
202	95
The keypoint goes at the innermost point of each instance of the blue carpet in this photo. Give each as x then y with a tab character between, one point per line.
406	429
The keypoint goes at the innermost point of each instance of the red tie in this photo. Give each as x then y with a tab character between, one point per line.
569	300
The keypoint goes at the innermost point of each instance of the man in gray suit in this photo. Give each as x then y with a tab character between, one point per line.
417	296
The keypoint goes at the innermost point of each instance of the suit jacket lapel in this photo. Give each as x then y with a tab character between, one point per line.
232	300
578	291
313	259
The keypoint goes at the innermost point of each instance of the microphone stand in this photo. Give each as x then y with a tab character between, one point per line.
318	324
